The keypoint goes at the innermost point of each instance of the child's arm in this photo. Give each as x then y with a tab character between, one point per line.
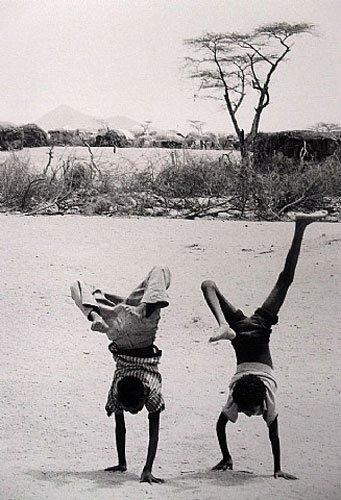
120	431
226	462
154	424
276	451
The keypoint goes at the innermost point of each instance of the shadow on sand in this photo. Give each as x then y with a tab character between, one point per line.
185	480
100	478
222	478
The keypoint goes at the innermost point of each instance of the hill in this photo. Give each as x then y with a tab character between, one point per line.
69	118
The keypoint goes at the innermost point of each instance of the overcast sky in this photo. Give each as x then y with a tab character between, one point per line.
124	57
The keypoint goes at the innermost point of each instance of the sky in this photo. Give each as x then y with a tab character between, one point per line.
125	57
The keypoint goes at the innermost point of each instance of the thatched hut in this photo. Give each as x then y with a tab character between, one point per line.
169	139
193	140
11	137
34	136
228	141
296	144
144	141
137	130
113	138
62	137
207	140
85	136
128	136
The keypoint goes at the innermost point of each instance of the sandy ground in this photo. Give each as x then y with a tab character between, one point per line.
55	373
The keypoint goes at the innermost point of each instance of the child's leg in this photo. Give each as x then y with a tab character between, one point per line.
84	296
153	289
112	297
276	298
221	308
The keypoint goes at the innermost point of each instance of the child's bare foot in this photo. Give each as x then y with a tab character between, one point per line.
98	324
224	333
303	218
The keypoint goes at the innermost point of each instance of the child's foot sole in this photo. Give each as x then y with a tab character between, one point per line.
99	326
224	333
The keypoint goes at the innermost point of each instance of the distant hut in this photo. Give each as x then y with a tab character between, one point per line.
34	136
209	140
144	141
228	141
128	136
11	137
193	140
62	137
137	130
169	139
87	136
111	137
296	144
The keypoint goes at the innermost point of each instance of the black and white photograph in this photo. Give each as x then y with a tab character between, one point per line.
170	251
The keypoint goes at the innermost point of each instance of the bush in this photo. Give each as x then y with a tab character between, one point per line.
288	184
270	192
14	173
195	177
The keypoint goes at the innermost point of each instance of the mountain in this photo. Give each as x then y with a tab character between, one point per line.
7	124
68	118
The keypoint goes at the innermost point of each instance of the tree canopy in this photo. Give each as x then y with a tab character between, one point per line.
229	65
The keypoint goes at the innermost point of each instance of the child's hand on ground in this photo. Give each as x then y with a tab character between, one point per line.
224	464
116	468
147	477
224	333
284	475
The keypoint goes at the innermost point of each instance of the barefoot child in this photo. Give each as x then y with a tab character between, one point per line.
131	325
252	388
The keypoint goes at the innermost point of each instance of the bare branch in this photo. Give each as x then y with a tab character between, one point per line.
50	153
232	63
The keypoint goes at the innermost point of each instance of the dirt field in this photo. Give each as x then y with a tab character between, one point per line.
55	436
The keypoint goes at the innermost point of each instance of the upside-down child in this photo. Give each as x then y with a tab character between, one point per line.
252	388
131	324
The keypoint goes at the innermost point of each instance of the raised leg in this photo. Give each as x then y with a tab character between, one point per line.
94	304
221	308
277	295
83	296
112	297
153	289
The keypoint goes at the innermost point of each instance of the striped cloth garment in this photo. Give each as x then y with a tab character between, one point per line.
146	370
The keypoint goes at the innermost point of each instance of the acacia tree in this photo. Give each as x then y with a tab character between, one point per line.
197	125
229	66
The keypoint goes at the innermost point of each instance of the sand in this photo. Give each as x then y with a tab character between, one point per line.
55	436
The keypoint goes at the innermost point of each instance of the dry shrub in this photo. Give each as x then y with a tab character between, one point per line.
270	192
194	177
287	184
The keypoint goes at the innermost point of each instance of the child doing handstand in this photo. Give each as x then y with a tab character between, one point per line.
252	388
131	324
